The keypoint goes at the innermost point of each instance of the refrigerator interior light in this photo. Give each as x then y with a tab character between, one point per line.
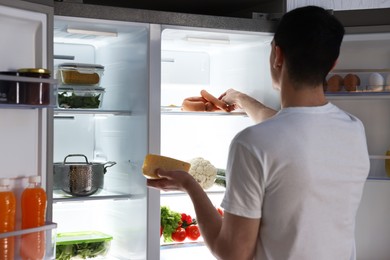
91	32
208	40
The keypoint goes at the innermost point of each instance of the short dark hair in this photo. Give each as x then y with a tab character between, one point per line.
310	39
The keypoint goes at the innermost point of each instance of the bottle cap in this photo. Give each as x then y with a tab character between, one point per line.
5	182
34	179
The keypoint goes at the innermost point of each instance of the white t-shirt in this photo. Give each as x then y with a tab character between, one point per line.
302	172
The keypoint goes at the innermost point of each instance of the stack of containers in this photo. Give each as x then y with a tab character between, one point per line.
79	86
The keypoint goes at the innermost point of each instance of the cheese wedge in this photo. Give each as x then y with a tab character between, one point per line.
152	162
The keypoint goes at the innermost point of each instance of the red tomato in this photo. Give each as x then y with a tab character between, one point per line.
193	232
161	230
179	235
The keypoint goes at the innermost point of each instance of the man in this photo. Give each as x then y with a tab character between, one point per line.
295	179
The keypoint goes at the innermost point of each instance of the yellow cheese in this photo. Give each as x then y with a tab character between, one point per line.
153	162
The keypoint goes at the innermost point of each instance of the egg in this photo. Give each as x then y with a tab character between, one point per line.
388	80
335	83
351	82
375	82
387	83
375	79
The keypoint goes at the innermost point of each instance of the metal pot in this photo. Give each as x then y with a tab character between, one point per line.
80	178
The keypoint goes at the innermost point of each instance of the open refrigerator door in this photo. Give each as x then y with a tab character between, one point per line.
25	128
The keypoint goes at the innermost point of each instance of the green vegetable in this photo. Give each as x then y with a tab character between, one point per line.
83	245
75	101
169	222
220	179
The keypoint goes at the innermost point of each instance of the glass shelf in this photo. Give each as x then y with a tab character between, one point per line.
176	110
60	196
59	111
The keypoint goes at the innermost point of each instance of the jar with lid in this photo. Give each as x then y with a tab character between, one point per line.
37	93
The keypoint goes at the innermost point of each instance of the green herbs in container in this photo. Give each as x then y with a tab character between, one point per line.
83	245
82	98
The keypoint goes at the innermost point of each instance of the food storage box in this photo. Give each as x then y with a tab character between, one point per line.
79	97
80	74
36	93
87	244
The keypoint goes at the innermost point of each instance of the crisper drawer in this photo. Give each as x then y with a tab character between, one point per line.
28	240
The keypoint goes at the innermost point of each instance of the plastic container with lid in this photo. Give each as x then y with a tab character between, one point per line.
33	203
80	74
87	244
7	219
80	97
37	93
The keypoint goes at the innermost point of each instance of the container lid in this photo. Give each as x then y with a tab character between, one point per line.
71	238
34	70
81	66
34	179
81	88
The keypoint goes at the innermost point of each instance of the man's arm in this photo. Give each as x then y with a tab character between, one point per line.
231	237
256	110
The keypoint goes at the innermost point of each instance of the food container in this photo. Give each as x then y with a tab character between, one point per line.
9	90
79	97
36	93
12	91
80	74
82	245
80	178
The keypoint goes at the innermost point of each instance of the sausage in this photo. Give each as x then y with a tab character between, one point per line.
218	103
194	104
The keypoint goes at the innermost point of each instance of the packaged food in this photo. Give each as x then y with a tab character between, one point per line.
85	245
80	74
36	93
79	97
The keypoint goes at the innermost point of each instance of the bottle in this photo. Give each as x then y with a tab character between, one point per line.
7	219
33	204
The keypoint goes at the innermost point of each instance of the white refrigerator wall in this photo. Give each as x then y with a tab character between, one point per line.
214	61
119	134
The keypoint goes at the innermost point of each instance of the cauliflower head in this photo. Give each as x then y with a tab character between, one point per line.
203	172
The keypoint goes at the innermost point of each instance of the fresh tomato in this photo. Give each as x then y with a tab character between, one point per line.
193	232
220	211
186	218
179	234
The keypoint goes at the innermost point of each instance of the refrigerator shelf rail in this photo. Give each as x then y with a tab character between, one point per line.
170	110
58	112
47	226
59	196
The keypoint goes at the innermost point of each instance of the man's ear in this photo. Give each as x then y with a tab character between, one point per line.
279	58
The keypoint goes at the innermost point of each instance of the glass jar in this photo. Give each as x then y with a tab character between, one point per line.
10	91
37	93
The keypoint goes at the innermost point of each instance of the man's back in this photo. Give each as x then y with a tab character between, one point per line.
314	162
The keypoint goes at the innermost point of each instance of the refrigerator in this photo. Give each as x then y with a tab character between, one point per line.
152	61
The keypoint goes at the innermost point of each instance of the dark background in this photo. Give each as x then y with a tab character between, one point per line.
232	8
